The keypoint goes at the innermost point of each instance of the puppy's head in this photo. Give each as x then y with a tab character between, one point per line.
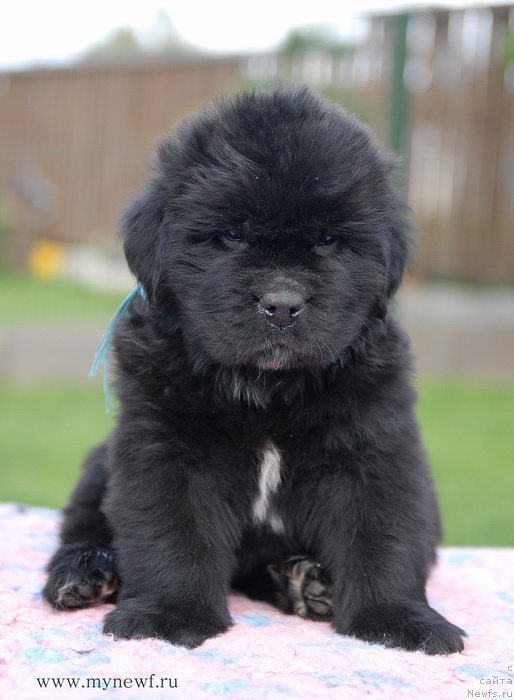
271	230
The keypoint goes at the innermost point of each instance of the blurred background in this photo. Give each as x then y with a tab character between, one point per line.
85	94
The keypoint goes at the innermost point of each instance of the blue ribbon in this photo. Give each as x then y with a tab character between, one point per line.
104	347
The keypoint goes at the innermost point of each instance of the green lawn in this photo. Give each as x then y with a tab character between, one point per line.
469	431
45	430
25	299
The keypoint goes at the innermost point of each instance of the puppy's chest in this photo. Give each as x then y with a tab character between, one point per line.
265	505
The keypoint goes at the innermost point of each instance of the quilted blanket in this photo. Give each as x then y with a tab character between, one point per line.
49	654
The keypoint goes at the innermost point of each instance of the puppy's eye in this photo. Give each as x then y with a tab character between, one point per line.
233	237
328	239
233	240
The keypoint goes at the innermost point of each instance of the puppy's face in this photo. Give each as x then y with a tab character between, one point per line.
271	231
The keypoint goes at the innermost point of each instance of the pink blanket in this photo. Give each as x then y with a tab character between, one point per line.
48	654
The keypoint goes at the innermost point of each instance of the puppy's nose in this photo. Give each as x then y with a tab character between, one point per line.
281	308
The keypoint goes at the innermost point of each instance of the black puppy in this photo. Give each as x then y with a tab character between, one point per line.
265	404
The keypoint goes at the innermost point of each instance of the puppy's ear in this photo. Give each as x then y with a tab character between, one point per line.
398	238
398	250
142	227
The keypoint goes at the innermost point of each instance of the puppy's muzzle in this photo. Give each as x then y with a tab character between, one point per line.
281	308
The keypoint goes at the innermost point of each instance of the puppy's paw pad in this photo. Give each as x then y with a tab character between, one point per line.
81	577
413	626
304	587
139	619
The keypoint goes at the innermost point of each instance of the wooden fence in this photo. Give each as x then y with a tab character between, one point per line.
75	143
461	155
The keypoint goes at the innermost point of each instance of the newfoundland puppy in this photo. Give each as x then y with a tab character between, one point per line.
266	438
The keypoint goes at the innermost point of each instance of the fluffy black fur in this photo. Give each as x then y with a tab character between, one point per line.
269	241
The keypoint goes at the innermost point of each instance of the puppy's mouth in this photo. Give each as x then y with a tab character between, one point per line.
279	358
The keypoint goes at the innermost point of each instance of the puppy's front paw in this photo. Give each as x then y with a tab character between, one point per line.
79	577
135	618
412	626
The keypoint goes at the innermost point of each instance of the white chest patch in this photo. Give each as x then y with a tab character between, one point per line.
269	481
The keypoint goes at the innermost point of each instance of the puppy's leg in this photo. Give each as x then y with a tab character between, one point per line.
175	537
379	549
83	572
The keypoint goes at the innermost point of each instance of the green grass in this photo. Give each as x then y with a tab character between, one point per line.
45	431
25	299
469	432
468	428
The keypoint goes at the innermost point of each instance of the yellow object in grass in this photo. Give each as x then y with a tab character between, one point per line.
46	259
